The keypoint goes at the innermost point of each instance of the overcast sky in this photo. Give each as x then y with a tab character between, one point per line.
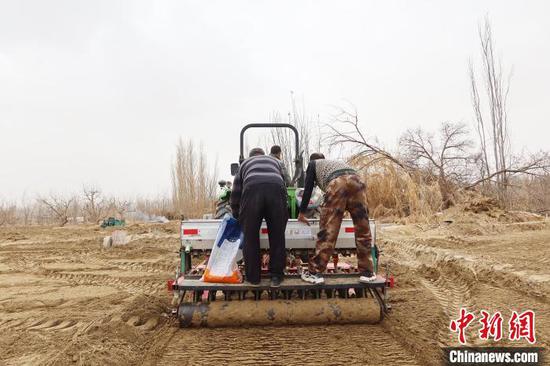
98	92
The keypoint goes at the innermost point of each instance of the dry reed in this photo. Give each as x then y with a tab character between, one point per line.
393	193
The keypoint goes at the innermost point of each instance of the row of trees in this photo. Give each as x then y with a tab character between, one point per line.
450	155
193	194
90	206
451	159
194	182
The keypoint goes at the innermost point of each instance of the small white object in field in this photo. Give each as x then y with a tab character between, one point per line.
117	238
107	242
120	237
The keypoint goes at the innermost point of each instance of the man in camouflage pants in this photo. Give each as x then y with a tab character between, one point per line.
344	191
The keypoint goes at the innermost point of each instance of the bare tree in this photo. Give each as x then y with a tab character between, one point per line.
94	204
345	131
445	156
498	163
193	184
495	150
58	206
283	138
25	210
161	205
308	131
7	213
119	206
536	165
76	213
536	194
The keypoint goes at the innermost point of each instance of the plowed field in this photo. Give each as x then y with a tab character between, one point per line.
66	300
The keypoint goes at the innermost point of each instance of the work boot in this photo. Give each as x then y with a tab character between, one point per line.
252	284
367	276
276	281
315	278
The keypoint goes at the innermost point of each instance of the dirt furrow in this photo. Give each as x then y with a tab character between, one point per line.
272	345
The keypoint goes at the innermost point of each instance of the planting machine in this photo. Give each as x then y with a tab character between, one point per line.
341	299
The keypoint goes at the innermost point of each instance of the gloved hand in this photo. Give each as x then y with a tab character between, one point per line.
303	219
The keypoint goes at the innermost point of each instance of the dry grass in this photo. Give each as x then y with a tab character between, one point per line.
394	194
530	193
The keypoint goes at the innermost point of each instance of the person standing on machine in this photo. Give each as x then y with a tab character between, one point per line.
344	191
276	152
259	193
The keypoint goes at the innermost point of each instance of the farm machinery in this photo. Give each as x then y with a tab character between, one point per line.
340	299
112	222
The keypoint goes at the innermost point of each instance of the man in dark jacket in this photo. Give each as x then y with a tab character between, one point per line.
276	152
344	191
259	192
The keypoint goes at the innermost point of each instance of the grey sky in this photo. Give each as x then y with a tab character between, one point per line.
99	91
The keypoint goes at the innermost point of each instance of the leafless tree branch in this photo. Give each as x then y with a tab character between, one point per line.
344	130
59	206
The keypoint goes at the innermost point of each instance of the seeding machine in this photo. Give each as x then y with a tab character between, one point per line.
340	299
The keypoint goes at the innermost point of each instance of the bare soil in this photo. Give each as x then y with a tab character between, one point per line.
66	300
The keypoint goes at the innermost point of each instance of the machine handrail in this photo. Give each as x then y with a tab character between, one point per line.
298	161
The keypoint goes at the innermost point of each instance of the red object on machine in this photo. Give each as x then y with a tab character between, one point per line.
349	229
170	285
390	281
190	231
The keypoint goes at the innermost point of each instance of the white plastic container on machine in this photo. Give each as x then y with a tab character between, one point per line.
226	251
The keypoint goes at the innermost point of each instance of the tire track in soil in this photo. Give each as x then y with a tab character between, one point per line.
30	263
63	324
79	329
483	270
135	285
26	263
41	324
459	276
451	293
360	344
451	289
465	266
147	267
137	266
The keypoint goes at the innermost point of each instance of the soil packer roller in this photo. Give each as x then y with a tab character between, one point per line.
341	299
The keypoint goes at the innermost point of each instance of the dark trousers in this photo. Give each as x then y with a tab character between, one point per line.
263	201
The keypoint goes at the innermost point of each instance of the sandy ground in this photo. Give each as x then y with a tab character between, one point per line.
66	300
